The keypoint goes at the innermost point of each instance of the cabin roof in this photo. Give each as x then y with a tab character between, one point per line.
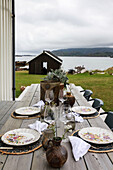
50	54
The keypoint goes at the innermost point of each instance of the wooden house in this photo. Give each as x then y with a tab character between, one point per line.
44	62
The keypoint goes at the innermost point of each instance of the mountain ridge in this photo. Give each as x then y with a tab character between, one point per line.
92	52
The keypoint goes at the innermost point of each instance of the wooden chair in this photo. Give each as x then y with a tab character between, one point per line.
109	119
87	94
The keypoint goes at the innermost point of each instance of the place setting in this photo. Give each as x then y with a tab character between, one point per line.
26	113
85	112
31	112
100	140
20	141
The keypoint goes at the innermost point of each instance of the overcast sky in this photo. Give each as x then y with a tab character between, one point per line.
57	24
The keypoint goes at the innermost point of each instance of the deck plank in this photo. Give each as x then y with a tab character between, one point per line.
22	160
12	123
12	162
5	108
12	109
2	104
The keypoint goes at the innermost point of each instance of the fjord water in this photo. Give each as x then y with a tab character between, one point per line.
90	63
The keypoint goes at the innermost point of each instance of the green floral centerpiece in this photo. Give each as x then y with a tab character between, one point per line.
57	75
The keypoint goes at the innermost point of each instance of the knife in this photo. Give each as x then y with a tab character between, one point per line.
6	147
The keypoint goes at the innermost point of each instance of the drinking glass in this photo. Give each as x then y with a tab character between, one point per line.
56	115
49	96
69	115
63	112
61	96
49	115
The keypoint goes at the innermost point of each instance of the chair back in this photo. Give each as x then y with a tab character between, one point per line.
109	119
87	94
97	104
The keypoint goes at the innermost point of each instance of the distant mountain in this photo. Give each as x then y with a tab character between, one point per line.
94	52
24	55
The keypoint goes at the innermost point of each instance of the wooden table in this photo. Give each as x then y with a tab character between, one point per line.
37	160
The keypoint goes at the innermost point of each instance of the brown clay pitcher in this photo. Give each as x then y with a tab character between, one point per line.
48	135
56	154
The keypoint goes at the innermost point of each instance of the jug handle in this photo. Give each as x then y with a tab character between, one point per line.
49	143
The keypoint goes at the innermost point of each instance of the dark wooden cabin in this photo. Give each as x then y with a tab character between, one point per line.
44	62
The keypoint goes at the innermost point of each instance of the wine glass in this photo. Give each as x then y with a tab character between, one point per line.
63	112
49	96
61	97
49	115
56	114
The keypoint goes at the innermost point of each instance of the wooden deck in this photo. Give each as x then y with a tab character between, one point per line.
37	160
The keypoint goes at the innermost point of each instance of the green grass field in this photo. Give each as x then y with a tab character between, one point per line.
101	85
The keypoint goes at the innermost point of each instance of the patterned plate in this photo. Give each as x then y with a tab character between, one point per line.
97	148
83	110
96	135
27	110
20	137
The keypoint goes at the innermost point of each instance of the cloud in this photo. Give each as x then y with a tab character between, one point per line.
48	24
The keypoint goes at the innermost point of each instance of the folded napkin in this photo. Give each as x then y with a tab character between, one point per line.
78	118
79	147
39	104
38	126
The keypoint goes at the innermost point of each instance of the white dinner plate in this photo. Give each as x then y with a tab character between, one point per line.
27	110
96	135
20	137
84	110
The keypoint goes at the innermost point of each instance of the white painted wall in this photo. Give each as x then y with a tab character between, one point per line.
5	50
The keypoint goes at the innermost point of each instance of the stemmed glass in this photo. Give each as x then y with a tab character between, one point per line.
56	114
49	115
49	96
63	113
61	97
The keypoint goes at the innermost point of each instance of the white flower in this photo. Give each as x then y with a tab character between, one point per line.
70	130
67	127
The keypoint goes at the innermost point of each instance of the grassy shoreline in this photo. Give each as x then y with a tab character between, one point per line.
100	84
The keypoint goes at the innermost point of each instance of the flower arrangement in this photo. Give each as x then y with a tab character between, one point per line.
57	75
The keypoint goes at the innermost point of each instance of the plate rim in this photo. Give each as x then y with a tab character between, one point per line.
19	113
86	113
95	142
22	129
